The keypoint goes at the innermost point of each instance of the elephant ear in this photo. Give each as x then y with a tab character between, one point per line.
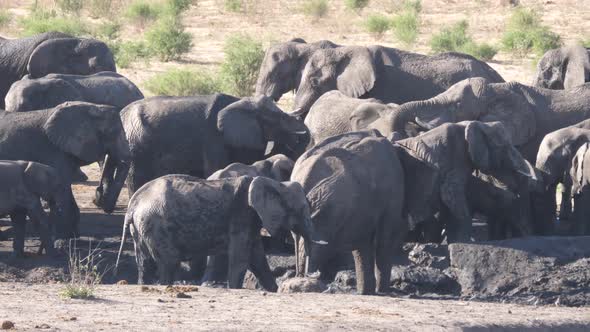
51	56
356	73
577	169
480	138
37	178
73	127
239	124
577	67
264	196
281	168
515	113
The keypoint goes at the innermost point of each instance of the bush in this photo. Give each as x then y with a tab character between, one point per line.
525	33
5	18
356	4
70	6
168	40
126	53
586	43
412	5
182	82
84	273
315	8
456	39
101	8
40	21
405	26
142	12
233	5
108	30
176	7
377	25
239	70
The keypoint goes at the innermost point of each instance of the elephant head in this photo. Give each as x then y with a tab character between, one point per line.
472	99
373	115
351	70
283	64
557	150
89	133
563	68
70	56
50	91
249	124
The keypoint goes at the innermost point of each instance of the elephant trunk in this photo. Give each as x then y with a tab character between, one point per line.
408	112
112	180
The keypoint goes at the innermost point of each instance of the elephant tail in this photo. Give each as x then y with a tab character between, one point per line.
126	223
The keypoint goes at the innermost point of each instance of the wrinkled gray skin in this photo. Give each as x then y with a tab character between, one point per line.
387	74
283	64
355	185
105	88
182	218
440	162
335	113
527	113
22	186
200	135
51	52
67	137
579	177
563	68
554	160
277	167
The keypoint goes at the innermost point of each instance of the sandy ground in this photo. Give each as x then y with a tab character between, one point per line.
130	308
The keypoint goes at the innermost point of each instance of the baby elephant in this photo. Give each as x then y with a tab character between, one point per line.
183	218
104	88
22	185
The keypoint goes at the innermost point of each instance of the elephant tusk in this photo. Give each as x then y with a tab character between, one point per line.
320	242
303	132
423	124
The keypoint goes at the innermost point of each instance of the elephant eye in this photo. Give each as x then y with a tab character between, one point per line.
314	81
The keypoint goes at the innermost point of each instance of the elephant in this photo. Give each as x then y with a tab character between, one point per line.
387	74
355	185
200	135
439	163
179	217
51	52
283	64
527	113
23	185
563	68
66	137
579	176
105	88
554	160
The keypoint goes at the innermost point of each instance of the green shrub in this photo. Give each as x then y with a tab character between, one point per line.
412	5
377	25
40	21
108	30
84	273
525	33
356	4
183	82
586	42
168	40
239	70
101	8
126	53
176	7
5	18
456	39
315	8
405	26
143	11
233	5
70	6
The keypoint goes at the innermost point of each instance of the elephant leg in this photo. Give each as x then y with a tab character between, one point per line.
259	266
390	240
79	176
38	217
453	197
146	266
238	260
544	210
19	220
565	208
364	262
167	268
432	230
198	265
216	270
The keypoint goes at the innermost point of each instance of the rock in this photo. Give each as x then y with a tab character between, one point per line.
302	285
43	326
7	325
122	282
418	279
430	255
250	281
181	295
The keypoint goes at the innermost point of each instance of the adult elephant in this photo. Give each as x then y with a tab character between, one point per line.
387	74
439	163
563	68
200	135
579	177
554	160
527	113
51	52
283	64
355	185
66	137
105	88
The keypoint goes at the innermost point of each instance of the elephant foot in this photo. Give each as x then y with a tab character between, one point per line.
18	254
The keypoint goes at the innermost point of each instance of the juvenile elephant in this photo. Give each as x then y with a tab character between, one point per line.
22	186
563	68
355	185
387	74
283	64
51	52
579	176
66	137
200	135
527	113
439	163
182	218
105	88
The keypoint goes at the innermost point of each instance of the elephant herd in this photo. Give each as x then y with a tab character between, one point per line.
383	146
